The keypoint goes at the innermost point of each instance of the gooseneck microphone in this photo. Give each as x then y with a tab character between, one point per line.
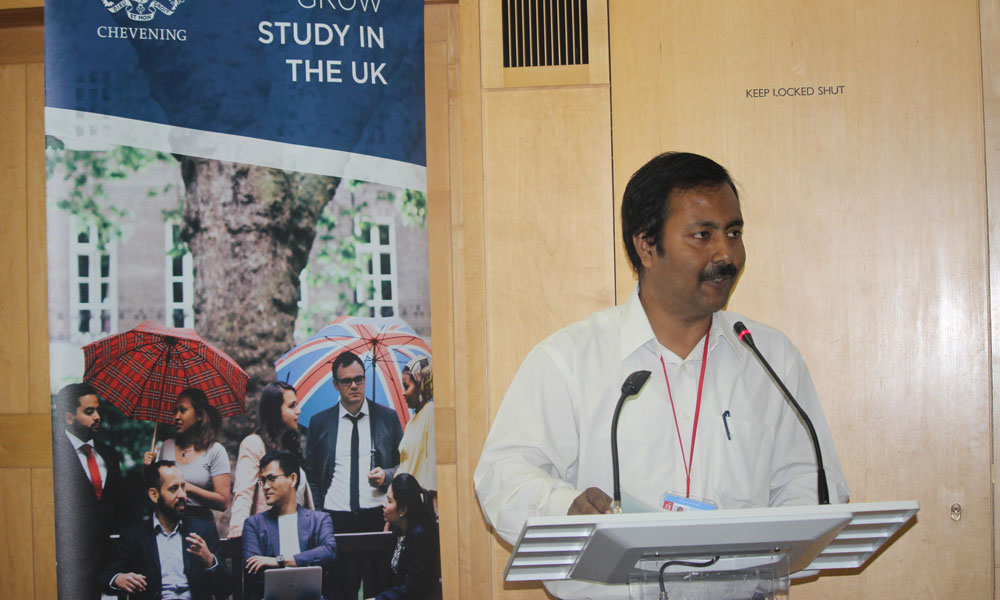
822	491
633	383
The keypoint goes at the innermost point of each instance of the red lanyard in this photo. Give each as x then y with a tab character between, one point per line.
688	461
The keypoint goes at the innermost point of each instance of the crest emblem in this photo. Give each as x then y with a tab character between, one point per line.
142	10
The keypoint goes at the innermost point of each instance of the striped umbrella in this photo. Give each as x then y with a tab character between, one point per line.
384	345
141	372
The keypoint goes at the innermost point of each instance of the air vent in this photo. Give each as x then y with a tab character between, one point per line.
544	33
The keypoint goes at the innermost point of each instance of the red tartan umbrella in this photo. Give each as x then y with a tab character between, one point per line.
141	372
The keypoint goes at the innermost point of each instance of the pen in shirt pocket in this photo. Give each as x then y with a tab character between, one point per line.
725	422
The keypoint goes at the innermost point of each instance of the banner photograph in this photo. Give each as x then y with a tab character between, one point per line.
238	273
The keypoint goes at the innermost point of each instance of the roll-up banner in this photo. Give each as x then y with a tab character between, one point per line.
237	270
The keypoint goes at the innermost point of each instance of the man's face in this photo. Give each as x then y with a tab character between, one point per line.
85	422
278	486
171	497
701	255
351	388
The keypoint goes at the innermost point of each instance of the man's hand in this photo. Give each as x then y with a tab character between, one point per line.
593	501
149	457
376	478
200	549
130	582
256	564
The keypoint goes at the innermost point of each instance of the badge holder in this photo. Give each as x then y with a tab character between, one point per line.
762	577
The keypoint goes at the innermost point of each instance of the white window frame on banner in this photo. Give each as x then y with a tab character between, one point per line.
375	277
185	279
93	280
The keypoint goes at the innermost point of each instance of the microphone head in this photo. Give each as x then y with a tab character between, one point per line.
634	382
743	333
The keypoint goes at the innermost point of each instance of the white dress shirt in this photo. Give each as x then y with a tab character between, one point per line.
102	467
338	497
551	438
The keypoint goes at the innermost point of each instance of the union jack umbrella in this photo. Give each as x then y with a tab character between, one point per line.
384	345
141	372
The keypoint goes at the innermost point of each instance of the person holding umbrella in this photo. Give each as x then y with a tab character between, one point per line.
202	460
279	412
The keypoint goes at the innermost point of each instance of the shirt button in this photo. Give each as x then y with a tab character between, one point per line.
684	367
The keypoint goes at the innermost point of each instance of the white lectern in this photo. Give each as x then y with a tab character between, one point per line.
750	551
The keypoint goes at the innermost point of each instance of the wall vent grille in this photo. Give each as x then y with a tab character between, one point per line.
544	33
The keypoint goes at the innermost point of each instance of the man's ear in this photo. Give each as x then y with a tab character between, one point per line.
645	248
68	418
295	480
154	494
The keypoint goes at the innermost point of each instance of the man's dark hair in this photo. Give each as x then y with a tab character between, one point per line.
646	202
68	398
287	462
151	473
344	359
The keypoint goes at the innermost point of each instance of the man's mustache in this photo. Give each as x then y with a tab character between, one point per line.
717	271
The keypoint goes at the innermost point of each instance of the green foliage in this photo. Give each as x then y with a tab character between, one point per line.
411	204
336	263
88	170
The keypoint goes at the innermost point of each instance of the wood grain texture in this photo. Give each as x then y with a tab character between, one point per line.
44	538
989	25
37	285
25	441
866	235
13	232
21	42
549	237
16	536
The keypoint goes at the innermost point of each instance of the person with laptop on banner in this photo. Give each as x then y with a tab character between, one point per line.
287	535
708	429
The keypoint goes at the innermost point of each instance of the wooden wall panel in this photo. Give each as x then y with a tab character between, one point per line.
865	234
549	258
27	551
13	230
989	23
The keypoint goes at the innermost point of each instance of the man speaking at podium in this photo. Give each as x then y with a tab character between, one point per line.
708	429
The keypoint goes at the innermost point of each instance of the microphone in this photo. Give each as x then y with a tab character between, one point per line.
822	491
633	383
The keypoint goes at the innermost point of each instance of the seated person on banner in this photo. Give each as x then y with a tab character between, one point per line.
287	535
89	493
549	452
416	451
203	460
352	451
279	411
172	556
416	562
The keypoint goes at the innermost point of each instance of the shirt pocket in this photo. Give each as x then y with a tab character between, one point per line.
738	462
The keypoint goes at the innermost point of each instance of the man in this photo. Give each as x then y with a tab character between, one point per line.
352	452
170	557
89	493
548	452
288	535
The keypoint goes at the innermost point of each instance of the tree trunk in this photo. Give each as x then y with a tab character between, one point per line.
250	230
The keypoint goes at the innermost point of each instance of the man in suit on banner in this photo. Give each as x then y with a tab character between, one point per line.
352	452
88	490
169	557
288	535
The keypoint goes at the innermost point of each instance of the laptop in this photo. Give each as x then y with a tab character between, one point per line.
293	583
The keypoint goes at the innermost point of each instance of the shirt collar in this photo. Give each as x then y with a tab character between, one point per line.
344	413
159	530
636	331
77	442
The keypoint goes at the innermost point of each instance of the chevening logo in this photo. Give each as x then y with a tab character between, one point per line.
142	10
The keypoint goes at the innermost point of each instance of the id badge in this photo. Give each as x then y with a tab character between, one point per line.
681	503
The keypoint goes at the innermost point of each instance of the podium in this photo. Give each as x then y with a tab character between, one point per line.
749	552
